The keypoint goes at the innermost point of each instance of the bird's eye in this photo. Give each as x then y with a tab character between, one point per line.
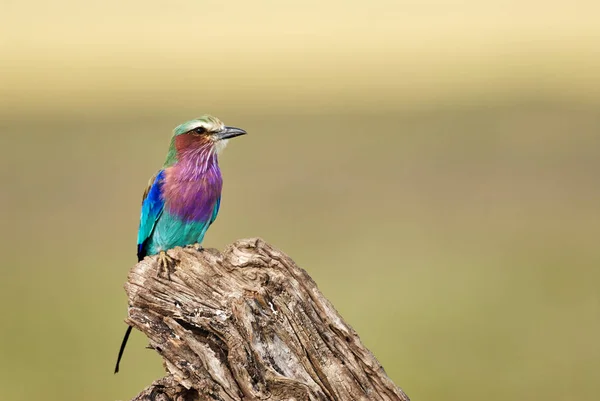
200	130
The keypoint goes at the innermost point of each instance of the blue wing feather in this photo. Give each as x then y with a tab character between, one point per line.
152	207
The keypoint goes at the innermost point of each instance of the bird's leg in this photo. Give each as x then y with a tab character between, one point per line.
166	264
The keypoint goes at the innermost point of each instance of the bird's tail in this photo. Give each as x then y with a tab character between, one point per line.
123	344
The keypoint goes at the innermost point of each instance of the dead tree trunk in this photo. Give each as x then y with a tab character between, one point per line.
248	324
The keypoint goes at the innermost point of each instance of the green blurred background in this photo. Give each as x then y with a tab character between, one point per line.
434	165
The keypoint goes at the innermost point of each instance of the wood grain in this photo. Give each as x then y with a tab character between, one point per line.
248	324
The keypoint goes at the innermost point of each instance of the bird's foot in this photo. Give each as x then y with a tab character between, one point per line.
195	246
166	265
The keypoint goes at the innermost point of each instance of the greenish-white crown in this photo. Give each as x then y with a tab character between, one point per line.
208	122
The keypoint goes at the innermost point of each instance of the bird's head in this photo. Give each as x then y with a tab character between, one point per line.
203	133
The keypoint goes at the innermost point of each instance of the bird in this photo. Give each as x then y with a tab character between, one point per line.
183	198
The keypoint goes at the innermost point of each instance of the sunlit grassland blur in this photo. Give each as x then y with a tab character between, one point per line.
433	166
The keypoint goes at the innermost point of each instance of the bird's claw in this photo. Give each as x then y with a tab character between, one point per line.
166	265
197	247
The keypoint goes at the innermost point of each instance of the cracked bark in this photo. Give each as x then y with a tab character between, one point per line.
248	324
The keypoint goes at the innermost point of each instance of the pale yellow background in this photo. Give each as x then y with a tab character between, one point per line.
434	165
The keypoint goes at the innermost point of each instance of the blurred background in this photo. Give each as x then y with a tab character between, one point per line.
433	164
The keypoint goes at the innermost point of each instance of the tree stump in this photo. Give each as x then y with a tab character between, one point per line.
248	324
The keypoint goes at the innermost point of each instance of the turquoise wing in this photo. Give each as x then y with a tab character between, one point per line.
152	207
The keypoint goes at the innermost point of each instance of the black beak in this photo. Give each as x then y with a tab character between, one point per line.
230	132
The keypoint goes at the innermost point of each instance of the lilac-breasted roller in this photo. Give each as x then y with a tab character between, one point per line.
182	199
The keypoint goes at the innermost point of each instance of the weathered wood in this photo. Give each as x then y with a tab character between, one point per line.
248	324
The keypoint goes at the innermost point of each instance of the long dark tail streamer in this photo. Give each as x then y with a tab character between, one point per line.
123	344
